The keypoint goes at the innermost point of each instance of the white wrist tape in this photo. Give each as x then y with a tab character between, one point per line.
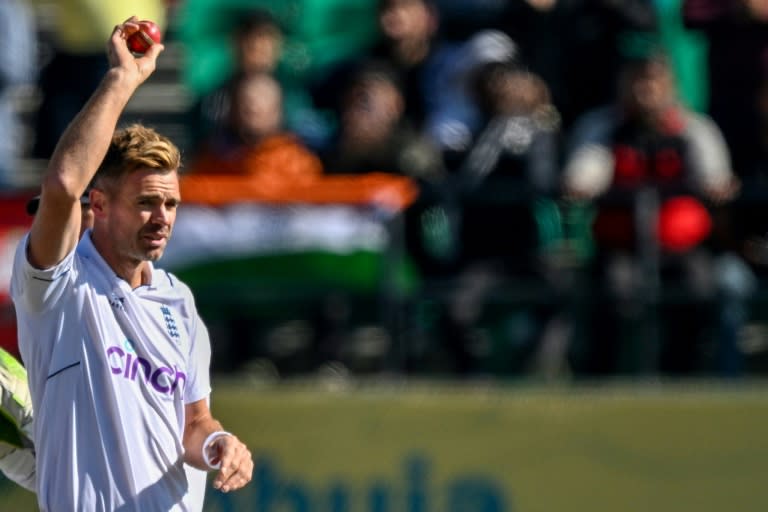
207	447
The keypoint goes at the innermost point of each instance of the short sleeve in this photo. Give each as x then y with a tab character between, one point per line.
710	158
38	290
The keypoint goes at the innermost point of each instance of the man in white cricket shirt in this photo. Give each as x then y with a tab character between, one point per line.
17	450
116	353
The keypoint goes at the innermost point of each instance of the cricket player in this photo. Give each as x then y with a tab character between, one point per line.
117	356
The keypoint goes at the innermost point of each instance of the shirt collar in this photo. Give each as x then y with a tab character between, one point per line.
86	249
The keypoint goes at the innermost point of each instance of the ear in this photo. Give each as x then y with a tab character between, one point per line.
99	202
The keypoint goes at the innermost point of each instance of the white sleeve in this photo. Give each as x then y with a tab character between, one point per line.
589	170
37	290
589	159
709	155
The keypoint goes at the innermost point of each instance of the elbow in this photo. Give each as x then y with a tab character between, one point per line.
55	187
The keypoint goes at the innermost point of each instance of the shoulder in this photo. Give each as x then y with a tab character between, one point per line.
172	291
698	124
169	284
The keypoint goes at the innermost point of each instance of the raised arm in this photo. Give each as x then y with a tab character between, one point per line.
82	147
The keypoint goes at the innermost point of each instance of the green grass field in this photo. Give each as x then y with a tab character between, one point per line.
650	447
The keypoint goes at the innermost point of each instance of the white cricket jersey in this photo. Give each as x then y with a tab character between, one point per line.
110	370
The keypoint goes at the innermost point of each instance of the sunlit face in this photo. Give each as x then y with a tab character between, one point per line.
138	218
258	107
402	20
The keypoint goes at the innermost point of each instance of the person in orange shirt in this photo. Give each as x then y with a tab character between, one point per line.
253	144
255	158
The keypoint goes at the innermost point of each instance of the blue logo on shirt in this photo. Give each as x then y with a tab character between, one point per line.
170	323
117	302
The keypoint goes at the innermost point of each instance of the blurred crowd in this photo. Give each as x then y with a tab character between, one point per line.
593	169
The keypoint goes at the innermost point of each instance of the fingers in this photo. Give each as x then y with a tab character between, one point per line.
129	26
119	54
153	52
236	465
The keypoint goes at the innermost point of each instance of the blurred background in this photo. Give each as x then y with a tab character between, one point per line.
454	255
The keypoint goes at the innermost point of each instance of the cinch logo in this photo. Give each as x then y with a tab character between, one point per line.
126	363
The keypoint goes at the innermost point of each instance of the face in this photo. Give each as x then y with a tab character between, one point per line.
402	20
650	89
136	221
258	108
511	92
259	50
372	109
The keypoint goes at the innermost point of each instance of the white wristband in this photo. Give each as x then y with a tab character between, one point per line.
207	445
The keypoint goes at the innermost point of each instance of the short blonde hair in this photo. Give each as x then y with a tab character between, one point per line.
133	147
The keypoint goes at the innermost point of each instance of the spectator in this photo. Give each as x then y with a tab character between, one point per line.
257	44
737	36
590	38
255	158
573	45
410	42
254	142
299	40
646	151
77	43
17	67
456	117
647	105
374	134
507	176
513	157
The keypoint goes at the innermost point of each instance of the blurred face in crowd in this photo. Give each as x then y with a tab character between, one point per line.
257	109
406	20
505	90
258	49
372	109
648	88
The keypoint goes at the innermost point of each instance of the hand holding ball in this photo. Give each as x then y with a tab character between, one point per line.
143	39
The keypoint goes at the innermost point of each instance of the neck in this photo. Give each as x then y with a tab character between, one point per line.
134	272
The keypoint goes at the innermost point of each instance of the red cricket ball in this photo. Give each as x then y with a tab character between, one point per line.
147	35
